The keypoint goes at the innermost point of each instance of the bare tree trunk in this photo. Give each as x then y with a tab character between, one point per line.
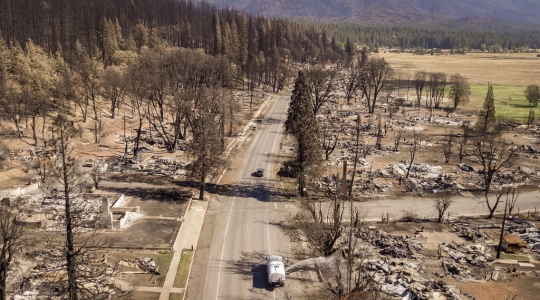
33	125
492	208
43	133
397	140
412	153
502	233
202	185
16	121
356	150
10	238
378	143
125	139
138	137
70	245
511	199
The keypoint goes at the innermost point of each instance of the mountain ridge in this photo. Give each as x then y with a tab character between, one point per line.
392	12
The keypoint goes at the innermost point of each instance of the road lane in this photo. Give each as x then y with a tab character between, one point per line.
232	264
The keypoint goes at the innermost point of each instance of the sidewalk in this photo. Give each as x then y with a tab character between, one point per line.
186	238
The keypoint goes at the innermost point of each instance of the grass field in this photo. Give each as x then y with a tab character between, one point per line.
510	102
183	269
509	74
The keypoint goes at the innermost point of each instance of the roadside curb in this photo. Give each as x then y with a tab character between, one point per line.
194	251
191	214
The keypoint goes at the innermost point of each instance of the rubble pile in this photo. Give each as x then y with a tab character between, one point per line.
473	232
423	177
509	178
155	165
397	246
146	264
45	211
403	280
400	277
362	186
528	149
44	280
422	171
527	171
526	231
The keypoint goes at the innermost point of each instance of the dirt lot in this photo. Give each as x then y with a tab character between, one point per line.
145	233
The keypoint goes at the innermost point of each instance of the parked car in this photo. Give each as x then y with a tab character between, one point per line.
259	173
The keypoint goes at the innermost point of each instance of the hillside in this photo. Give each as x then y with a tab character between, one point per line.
387	12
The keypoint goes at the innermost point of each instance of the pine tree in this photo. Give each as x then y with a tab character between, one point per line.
216	28
302	125
243	42
4	54
227	40
235	43
349	47
488	113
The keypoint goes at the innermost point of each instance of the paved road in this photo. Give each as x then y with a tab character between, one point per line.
238	233
464	206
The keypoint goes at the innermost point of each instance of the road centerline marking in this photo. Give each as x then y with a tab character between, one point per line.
268	227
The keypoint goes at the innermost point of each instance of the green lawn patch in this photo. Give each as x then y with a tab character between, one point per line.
163	261
510	101
176	296
183	269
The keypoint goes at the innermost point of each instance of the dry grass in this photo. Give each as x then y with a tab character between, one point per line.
176	296
142	296
481	68
509	74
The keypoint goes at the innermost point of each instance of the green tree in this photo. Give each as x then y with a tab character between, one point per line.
227	40
302	125
243	38
107	40
4	54
460	90
349	47
488	112
207	146
234	42
532	93
218	39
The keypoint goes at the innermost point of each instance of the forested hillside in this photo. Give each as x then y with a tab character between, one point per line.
55	24
387	12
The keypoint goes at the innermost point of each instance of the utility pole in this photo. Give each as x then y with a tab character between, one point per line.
399	86
502	231
408	86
